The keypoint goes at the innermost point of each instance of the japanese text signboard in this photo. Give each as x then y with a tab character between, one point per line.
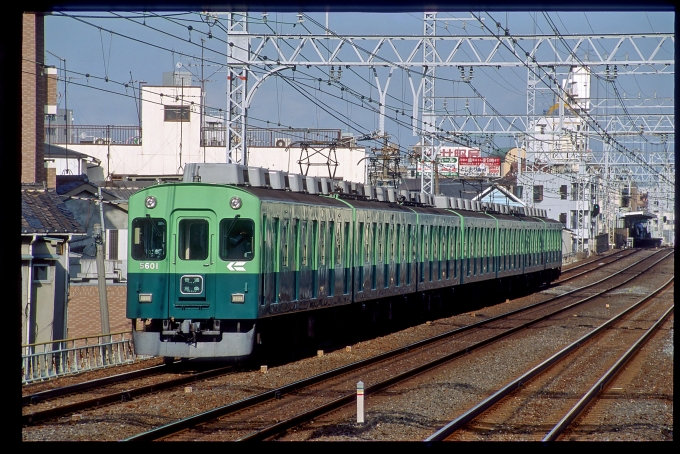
463	162
478	167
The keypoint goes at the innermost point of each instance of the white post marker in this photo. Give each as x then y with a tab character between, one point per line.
360	402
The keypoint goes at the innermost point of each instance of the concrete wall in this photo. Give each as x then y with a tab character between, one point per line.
351	162
43	301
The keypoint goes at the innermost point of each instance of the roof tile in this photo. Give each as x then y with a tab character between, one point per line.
42	211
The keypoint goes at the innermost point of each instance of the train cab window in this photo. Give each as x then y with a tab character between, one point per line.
236	239
148	238
193	239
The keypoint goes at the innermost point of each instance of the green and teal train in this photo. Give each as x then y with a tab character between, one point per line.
211	258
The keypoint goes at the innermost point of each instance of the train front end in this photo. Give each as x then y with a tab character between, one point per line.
193	273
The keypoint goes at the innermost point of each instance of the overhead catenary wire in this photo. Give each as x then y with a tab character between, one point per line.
586	117
217	52
396	109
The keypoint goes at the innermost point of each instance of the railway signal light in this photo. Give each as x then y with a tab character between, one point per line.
596	209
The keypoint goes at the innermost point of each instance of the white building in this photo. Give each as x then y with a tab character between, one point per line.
170	136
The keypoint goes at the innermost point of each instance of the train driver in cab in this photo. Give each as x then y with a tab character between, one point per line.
239	244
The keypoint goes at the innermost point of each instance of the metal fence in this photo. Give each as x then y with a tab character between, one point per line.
212	136
46	360
98	135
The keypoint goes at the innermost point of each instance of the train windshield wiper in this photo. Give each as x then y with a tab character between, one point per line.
153	224
231	226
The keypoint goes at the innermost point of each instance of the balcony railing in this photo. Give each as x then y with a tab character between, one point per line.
211	136
98	135
260	137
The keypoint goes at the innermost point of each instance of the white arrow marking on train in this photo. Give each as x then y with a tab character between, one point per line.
236	266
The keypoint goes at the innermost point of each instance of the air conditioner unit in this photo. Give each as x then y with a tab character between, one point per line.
282	142
348	141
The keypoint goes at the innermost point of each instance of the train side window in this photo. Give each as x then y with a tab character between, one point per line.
487	251
347	255
399	244
304	241
454	251
322	243
315	244
389	235
276	254
434	240
411	255
236	239
284	243
315	258
374	242
360	242
368	243
475	245
334	242
399	255
193	239
378	236
513	249
423	253
467	242
296	258
296	243
149	238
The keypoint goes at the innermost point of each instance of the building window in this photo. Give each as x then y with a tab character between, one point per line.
177	113
518	191
563	192
113	244
41	272
538	193
563	219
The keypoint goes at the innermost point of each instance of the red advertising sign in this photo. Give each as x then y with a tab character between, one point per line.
457	152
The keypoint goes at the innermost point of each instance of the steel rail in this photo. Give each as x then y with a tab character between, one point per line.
349	398
568	278
179	425
605	379
590	262
123	396
517	383
31	399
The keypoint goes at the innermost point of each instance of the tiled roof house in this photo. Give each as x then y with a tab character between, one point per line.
47	228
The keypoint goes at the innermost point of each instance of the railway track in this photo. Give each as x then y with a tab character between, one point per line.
54	393
586	267
527	399
104	395
239	420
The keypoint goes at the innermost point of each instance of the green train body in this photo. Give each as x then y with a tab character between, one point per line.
207	263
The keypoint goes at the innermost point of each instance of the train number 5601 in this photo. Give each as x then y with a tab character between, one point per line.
148	266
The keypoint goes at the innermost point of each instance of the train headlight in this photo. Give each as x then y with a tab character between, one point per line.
145	297
235	203
238	298
150	202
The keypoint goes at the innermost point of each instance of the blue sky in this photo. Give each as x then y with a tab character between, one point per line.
143	46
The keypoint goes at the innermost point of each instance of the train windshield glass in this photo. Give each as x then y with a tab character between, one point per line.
193	239
236	239
148	238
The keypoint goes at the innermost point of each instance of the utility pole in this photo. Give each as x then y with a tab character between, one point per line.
202	102
99	234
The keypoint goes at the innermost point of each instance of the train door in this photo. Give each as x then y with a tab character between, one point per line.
192	266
